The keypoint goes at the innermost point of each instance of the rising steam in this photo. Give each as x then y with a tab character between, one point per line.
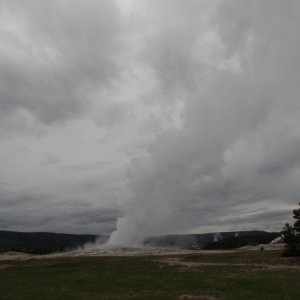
235	157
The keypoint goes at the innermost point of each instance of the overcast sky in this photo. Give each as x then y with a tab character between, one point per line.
149	116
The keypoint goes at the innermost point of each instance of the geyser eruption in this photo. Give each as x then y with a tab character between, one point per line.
235	159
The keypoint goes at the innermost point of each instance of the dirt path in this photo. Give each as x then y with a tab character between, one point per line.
177	261
11	255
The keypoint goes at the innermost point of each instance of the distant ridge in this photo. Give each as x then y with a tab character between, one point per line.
214	240
44	242
243	240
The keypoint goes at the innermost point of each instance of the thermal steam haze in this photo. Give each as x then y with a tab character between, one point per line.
149	117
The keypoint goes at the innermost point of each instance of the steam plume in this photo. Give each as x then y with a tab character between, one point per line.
234	162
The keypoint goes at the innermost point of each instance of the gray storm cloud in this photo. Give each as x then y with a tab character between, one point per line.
56	56
191	103
234	163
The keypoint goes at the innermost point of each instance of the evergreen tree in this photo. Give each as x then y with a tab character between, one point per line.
291	235
290	239
296	216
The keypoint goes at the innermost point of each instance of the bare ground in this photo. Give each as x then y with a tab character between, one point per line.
178	262
11	255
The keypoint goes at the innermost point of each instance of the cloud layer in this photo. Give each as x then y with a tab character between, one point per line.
170	116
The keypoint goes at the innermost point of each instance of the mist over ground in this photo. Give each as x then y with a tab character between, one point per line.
149	117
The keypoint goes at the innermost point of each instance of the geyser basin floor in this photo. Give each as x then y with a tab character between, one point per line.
101	250
124	251
245	276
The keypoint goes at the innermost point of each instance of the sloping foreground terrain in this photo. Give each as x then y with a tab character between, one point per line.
227	275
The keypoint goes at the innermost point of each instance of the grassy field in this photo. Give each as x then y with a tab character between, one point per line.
244	276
